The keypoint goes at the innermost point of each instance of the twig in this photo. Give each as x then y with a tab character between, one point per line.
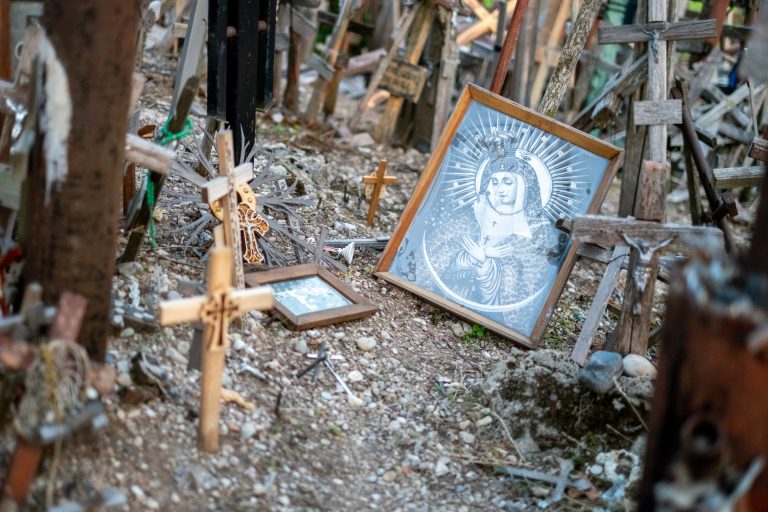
621	391
509	436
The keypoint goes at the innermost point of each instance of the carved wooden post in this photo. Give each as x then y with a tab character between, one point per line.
71	216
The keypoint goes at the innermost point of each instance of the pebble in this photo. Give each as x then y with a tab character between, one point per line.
248	430
638	366
152	504
127	332
238	344
441	466
284	501
389	476
174	295
596	469
540	491
313	333
138	492
366	343
355	401
600	371
175	355
124	380
486	420
326	395
394	425
301	346
354	376
467	437
129	268
338	335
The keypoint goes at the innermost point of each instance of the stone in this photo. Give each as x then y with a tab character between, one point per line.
354	376
130	268
248	430
467	437
486	420
237	343
127	332
638	366
301	346
389	476
441	466
176	356
124	380
394	425
354	401
601	369
366	343
138	492
361	140
202	478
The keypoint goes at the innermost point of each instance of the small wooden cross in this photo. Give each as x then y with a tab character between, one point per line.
378	180
216	309
225	187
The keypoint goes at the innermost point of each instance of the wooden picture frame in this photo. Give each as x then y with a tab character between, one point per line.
300	313
477	237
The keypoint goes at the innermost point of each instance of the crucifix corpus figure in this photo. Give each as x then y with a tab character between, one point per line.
378	180
215	310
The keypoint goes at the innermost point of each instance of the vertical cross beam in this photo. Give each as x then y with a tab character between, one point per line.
378	180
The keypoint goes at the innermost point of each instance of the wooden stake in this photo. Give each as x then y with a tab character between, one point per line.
378	180
216	309
509	46
569	57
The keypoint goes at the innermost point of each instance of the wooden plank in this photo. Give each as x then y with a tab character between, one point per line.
605	230
5	40
404	80
180	311
658	112
652	191
147	154
253	299
682	30
484	26
599	303
555	33
737	177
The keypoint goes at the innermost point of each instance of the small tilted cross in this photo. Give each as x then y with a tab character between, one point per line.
215	310
378	180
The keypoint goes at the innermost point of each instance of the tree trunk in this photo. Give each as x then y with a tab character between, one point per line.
70	224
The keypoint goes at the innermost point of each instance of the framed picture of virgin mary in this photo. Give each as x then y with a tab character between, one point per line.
478	235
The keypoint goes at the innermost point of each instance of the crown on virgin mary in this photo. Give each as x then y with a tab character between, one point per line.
497	145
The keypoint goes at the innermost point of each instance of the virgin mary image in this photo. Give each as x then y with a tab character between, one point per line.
493	262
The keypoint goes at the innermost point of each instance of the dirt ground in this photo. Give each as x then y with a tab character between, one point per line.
445	411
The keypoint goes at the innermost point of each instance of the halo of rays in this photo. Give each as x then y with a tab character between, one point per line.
562	160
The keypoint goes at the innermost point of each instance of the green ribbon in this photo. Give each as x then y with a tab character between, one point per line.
167	137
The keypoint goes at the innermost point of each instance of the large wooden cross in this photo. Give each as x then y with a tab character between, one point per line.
646	241
215	310
378	180
224	187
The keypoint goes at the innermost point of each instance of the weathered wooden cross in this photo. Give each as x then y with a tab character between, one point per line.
216	310
379	181
646	240
224	187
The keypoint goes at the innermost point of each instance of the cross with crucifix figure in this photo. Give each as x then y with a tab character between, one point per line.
646	241
378	180
215	310
224	188
647	180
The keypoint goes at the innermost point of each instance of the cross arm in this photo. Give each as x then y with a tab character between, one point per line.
149	155
682	30
219	187
250	299
181	311
372	180
603	230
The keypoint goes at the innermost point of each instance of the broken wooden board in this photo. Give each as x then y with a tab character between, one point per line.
404	80
660	30
737	177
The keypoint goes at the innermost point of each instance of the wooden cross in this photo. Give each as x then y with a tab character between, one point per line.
646	240
225	187
216	309
378	180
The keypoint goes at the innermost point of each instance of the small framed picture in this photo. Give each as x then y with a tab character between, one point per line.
308	296
478	236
